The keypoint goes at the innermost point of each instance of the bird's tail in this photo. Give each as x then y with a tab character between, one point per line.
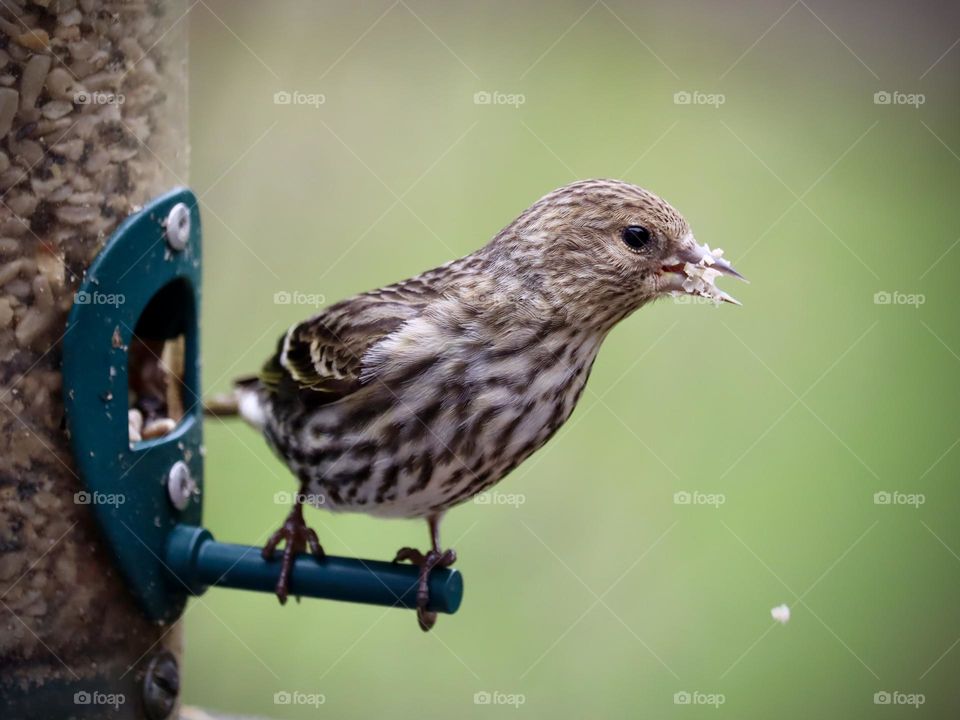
245	401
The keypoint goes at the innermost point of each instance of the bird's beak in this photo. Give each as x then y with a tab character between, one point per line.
693	269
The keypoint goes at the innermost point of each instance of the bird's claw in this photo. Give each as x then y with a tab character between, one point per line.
296	537
426	563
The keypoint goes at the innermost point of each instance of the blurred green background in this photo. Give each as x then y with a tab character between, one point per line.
600	595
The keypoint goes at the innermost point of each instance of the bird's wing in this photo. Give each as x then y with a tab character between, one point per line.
320	359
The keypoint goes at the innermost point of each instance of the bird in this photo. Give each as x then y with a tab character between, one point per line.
410	399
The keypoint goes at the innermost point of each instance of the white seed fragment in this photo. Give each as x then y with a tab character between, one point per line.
70	18
82	49
34	39
9	100
60	84
158	428
70	149
56	109
33	325
76	215
781	613
29	151
135	425
34	74
23	204
6	312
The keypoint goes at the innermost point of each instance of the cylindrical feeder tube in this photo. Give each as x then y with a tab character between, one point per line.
92	125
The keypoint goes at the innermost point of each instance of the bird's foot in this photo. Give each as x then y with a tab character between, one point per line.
426	563
296	537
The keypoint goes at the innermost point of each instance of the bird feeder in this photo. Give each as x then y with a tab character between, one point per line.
101	537
155	533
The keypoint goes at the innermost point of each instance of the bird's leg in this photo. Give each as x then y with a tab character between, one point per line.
434	558
296	537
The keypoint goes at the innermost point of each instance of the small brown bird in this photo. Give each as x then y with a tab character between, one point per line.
410	399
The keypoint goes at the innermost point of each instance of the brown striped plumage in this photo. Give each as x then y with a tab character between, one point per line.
407	400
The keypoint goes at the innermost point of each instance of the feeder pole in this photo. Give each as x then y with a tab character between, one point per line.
92	125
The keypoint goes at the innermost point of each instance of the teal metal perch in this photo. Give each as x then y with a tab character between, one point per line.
197	561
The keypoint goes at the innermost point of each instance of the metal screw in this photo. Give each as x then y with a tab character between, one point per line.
178	226
180	485
161	686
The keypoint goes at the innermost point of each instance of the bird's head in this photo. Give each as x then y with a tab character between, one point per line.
599	249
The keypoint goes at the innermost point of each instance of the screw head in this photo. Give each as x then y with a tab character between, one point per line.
178	226
161	686
180	485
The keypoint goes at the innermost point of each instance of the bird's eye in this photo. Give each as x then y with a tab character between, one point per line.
636	236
